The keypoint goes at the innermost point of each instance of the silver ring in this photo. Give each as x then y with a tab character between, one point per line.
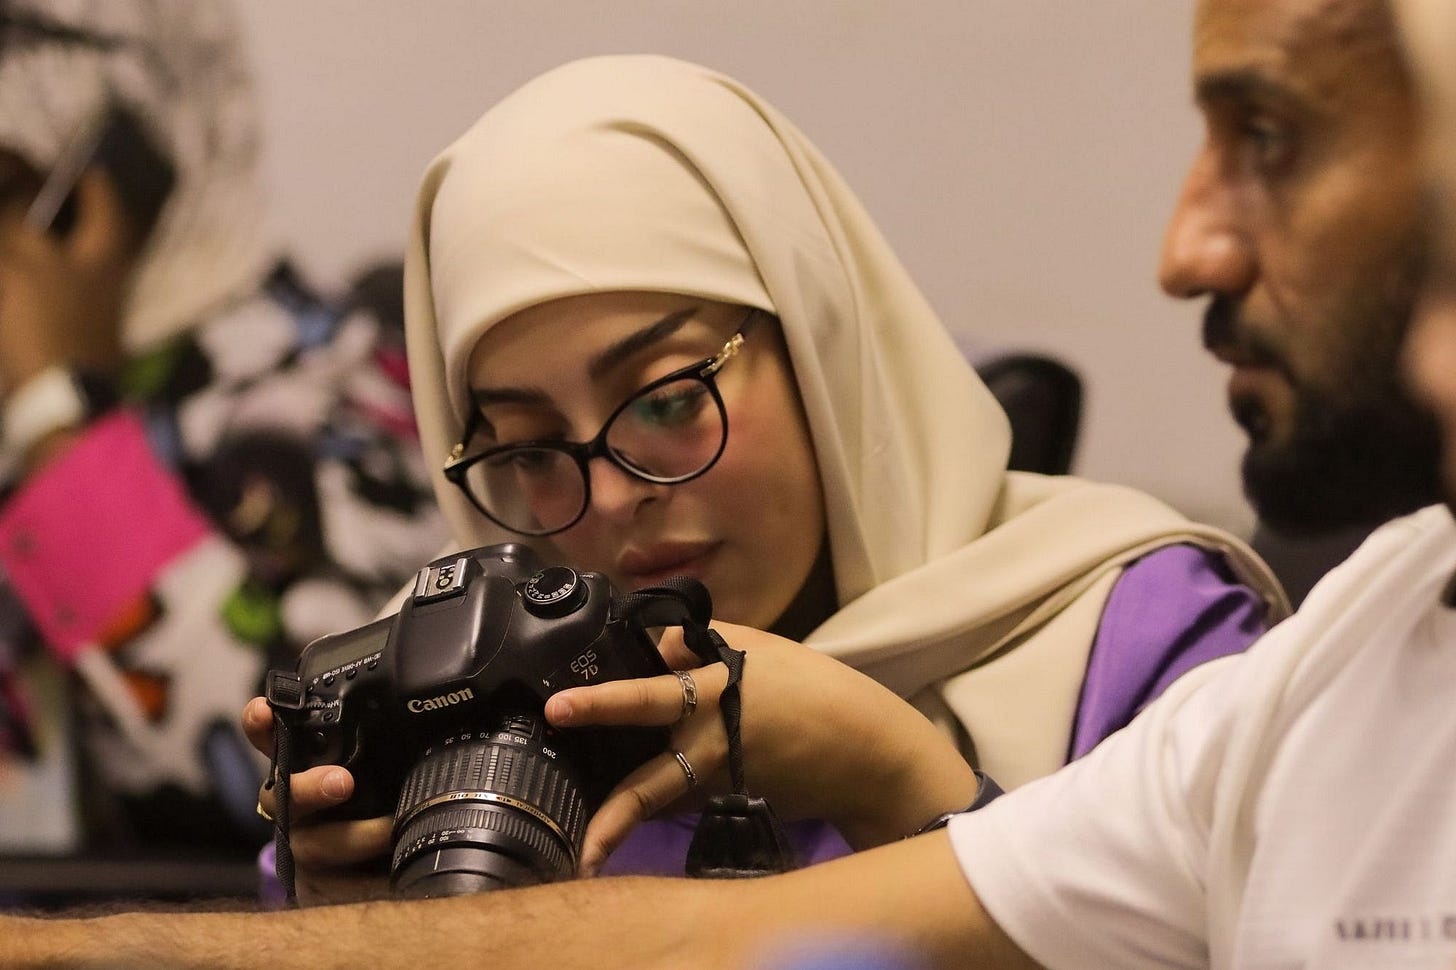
689	692
687	770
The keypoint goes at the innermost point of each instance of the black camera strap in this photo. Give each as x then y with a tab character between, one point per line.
738	835
279	783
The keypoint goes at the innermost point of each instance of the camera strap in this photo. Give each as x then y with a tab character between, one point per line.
738	835
278	782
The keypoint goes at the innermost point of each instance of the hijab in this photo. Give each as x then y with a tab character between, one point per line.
648	173
179	65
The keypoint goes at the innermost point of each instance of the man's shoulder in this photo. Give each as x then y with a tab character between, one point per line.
1396	577
1422	543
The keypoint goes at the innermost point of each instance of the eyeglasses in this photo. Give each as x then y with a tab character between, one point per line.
669	432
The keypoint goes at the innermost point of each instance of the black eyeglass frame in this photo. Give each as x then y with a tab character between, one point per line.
705	370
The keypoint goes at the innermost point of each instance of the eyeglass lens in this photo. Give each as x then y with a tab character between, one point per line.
664	433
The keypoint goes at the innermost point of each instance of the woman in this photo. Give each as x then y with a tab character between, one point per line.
641	255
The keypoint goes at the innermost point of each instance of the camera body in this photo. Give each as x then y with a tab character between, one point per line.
437	712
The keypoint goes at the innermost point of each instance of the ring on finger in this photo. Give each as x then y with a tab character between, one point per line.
689	694
687	769
263	813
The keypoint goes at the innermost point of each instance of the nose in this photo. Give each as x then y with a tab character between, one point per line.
1430	353
1207	248
615	495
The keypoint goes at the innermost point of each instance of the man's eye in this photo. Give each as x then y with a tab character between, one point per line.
1270	142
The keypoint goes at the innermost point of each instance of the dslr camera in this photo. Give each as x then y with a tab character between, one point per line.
437	711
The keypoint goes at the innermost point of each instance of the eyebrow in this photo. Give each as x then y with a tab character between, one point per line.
1242	84
599	364
636	342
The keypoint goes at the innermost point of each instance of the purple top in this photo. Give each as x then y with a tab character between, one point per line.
1171	610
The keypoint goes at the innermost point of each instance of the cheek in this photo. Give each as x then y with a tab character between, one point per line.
1430	357
585	546
769	457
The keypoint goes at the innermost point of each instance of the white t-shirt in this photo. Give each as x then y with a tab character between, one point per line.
1293	806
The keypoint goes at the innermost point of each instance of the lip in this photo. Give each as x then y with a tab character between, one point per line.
1235	357
1250	373
649	564
1251	379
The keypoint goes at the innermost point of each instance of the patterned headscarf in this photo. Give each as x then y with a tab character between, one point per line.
178	64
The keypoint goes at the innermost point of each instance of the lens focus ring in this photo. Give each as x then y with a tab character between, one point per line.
492	789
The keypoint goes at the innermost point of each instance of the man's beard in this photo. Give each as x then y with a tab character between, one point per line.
1345	464
1359	451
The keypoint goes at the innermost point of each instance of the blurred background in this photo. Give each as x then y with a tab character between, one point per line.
1021	156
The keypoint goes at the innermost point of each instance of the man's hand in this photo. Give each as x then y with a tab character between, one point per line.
61	297
329	856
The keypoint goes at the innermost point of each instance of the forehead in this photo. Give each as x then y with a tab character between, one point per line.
1429	30
1328	53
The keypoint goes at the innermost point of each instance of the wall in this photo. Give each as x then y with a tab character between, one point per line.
1020	154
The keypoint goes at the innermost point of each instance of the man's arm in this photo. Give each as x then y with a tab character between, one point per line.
910	894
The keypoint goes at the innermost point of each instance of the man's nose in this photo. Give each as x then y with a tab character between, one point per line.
1207	248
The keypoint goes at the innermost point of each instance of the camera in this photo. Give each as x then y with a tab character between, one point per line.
437	711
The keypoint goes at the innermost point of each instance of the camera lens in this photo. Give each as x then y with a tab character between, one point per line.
488	810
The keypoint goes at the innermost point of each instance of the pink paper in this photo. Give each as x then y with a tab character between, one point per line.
86	536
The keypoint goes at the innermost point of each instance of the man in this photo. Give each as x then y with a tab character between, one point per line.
1289	806
203	465
1300	220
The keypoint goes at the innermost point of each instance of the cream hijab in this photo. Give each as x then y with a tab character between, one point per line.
646	173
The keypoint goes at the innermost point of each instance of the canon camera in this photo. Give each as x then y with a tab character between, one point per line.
437	712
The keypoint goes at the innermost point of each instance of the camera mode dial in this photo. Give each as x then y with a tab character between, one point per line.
554	592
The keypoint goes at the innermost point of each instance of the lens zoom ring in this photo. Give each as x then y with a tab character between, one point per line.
442	827
519	772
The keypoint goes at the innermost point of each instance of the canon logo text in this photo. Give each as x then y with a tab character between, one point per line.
442	701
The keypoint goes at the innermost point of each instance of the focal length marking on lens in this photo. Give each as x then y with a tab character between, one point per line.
490	796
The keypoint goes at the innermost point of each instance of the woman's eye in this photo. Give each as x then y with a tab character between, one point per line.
527	462
676	404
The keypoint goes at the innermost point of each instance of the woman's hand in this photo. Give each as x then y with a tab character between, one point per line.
330	857
820	740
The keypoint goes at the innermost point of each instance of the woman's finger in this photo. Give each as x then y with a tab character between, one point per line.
644	702
675	650
258	725
335	844
656	784
312	791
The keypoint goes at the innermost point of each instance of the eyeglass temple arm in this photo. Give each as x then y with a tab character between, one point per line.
733	345
472	425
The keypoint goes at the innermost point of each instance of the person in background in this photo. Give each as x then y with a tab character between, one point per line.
205	463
